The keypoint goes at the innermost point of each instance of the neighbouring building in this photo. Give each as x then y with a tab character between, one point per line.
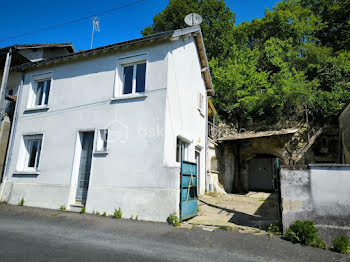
107	128
249	161
13	56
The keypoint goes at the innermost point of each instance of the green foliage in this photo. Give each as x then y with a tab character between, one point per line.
21	203
173	219
62	208
341	244
217	26
305	233
117	214
3	203
104	214
137	217
295	58
97	213
226	228
274	229
83	210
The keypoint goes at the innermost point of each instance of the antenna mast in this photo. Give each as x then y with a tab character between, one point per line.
95	26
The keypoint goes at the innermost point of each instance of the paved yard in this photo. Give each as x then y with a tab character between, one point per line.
34	234
244	212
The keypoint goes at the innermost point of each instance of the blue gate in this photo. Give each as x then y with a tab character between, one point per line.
188	190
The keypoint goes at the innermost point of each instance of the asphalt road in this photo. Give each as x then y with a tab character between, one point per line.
32	234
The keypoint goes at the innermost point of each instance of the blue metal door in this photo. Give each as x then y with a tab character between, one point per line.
85	166
188	190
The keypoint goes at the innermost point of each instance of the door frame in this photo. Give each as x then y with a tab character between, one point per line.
76	163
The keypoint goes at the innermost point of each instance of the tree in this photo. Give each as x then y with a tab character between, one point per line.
217	26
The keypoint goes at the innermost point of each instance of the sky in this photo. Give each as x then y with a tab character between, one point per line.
23	16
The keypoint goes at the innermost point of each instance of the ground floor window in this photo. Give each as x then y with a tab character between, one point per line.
32	145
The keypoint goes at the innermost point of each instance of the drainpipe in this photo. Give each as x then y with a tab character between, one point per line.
12	134
5	78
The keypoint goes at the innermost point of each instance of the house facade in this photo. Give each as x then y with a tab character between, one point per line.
107	128
13	56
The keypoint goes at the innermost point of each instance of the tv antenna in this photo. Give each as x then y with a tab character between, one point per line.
193	19
95	27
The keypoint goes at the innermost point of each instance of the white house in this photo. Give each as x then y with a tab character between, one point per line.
107	127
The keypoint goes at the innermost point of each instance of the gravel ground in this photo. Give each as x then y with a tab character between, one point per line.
34	234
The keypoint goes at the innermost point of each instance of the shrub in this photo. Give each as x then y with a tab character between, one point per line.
319	243
303	232
83	210
117	214
137	217
62	208
21	203
104	214
173	220
341	244
97	213
274	229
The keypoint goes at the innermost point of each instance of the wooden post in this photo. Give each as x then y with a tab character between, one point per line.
5	77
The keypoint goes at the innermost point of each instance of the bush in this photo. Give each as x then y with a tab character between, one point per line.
117	214
97	213
274	229
62	208
104	214
173	220
341	244
83	210
305	233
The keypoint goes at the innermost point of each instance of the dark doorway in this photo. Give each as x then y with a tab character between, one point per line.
262	173
87	140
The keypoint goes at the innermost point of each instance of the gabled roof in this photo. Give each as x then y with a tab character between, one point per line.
195	31
68	45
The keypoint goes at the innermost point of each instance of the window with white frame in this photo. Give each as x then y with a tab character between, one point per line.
134	78
102	141
32	150
41	92
181	150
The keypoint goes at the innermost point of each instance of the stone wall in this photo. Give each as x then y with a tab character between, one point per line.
319	193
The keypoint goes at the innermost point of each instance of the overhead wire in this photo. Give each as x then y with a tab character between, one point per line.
72	21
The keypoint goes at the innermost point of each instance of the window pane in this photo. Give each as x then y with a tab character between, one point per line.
33	149
38	155
128	75
47	91
140	78
39	93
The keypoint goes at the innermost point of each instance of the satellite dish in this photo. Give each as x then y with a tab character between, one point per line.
193	19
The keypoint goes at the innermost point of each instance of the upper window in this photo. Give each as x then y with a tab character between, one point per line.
41	92
32	145
134	78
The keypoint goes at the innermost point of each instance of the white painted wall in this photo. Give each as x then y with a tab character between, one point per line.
183	118
139	174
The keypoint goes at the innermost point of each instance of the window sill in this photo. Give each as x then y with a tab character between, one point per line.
37	108
26	173
129	97
101	152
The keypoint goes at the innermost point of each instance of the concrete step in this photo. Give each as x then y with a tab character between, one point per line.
76	207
